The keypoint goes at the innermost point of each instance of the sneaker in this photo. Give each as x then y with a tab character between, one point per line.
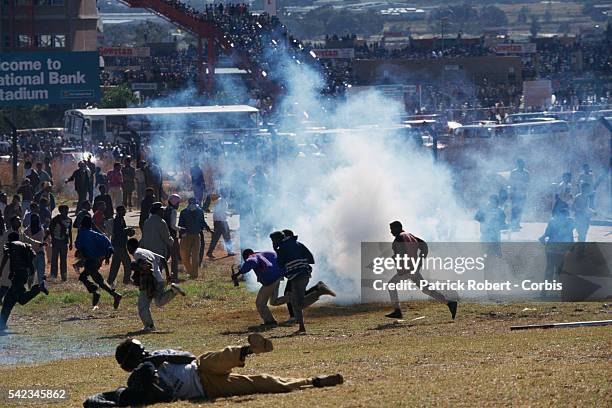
452	306
95	299
325	290
177	289
289	322
149	329
259	344
299	332
272	323
327	380
117	300
396	314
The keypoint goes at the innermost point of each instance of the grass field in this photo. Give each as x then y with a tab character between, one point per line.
432	361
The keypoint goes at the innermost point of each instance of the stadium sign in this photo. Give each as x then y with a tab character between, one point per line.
335	53
48	78
523	48
125	51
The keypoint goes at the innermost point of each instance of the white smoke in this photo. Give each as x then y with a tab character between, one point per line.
367	179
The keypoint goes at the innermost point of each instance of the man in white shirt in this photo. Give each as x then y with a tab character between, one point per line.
220	227
152	286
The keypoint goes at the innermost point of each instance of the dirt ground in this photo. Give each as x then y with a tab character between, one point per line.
431	361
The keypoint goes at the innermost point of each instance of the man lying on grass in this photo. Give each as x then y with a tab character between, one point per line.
170	375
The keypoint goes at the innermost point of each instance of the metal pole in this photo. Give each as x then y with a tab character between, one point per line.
14	150
211	64
200	67
83	138
569	324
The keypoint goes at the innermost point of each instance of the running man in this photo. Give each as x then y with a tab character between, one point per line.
150	282
94	247
408	244
21	257
296	259
269	275
170	375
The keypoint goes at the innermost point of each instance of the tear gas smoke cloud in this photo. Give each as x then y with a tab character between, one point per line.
365	179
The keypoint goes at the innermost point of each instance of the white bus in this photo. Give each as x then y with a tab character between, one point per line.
116	125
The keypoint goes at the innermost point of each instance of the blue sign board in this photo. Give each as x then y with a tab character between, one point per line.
30	78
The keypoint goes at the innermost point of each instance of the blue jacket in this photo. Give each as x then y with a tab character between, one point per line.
265	267
92	244
294	257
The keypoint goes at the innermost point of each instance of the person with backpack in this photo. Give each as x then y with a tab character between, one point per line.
20	257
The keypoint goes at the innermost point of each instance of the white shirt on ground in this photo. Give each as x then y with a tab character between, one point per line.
183	378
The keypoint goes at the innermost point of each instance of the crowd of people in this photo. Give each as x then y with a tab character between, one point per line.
572	207
261	41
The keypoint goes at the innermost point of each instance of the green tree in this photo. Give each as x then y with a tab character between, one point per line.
493	16
118	97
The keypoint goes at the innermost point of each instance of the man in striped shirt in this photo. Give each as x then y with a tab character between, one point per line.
296	259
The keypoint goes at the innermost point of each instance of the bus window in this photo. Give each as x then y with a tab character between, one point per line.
97	130
117	122
76	125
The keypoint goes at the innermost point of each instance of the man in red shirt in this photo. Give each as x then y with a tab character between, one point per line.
407	244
